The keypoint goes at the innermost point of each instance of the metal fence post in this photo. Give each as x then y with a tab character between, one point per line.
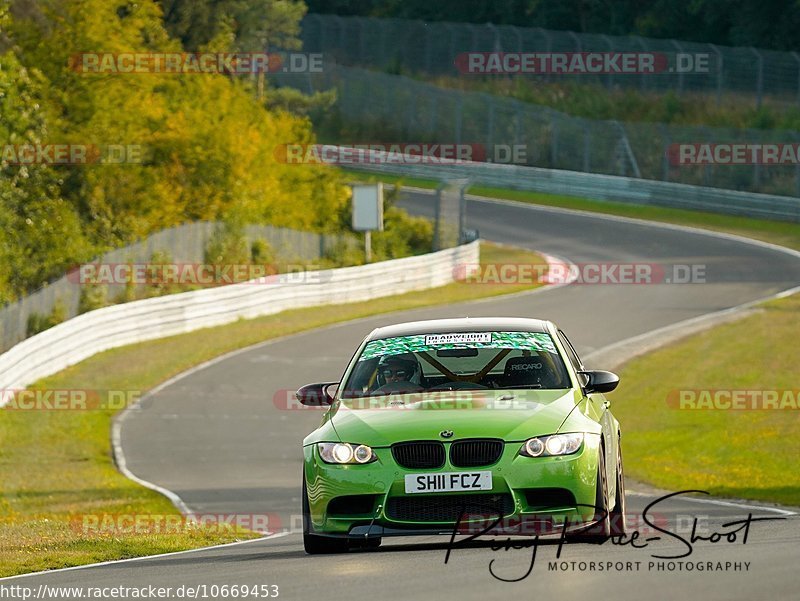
427	50
553	141
449	28
362	39
759	77
474	31
720	63
587	147
490	127
548	47
665	159
797	173
459	109
642	76
462	213
496	45
680	73
519	38
437	217
707	167
384	38
797	59
609	76
434	110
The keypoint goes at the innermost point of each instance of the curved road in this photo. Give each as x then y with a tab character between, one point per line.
216	438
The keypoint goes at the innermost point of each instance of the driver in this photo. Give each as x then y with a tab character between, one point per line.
397	368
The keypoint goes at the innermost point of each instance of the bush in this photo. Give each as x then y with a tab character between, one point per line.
402	234
38	322
93	297
261	252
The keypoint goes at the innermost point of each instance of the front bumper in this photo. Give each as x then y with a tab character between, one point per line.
534	495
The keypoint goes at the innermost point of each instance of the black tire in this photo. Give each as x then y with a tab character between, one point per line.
600	531
313	544
617	515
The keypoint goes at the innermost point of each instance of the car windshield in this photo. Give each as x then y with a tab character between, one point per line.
457	361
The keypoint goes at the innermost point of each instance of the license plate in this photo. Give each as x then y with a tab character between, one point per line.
448	482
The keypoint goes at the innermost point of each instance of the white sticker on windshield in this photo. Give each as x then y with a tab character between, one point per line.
458	338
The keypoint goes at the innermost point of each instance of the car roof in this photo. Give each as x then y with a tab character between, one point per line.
462	324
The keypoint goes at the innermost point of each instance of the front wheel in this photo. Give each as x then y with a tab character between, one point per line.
600	531
617	516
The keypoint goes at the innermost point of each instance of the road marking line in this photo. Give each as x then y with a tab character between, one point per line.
714	501
619	218
146	557
119	456
699	321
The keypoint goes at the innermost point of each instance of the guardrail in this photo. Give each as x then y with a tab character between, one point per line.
374	107
589	185
85	335
185	243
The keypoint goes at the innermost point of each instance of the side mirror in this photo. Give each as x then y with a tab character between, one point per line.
600	381
315	395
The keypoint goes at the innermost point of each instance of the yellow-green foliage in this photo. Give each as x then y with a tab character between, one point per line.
208	143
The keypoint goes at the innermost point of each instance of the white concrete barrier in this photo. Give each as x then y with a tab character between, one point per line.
85	335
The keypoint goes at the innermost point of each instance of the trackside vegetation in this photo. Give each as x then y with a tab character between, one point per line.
148	151
775	232
703	443
58	480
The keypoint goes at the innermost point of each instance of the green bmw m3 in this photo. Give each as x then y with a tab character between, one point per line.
462	426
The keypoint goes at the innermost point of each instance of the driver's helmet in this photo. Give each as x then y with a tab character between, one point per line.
405	368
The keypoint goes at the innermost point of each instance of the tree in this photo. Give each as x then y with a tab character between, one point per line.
256	24
208	145
40	234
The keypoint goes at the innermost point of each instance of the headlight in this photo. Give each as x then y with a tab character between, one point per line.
551	446
344	452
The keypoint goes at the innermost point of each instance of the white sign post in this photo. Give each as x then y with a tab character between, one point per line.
368	212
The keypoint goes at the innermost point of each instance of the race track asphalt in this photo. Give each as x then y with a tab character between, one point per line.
217	439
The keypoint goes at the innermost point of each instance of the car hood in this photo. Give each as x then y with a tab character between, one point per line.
512	416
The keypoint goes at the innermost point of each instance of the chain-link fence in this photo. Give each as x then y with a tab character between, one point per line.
183	244
378	107
435	48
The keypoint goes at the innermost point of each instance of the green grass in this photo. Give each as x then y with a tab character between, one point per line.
591	101
735	454
742	454
777	232
57	465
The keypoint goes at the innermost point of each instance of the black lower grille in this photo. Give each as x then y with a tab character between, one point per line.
352	505
546	498
419	455
473	453
447	508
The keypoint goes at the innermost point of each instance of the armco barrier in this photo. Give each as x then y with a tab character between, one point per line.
85	335
589	185
185	243
380	107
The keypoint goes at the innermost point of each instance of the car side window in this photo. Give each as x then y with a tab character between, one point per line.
571	354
